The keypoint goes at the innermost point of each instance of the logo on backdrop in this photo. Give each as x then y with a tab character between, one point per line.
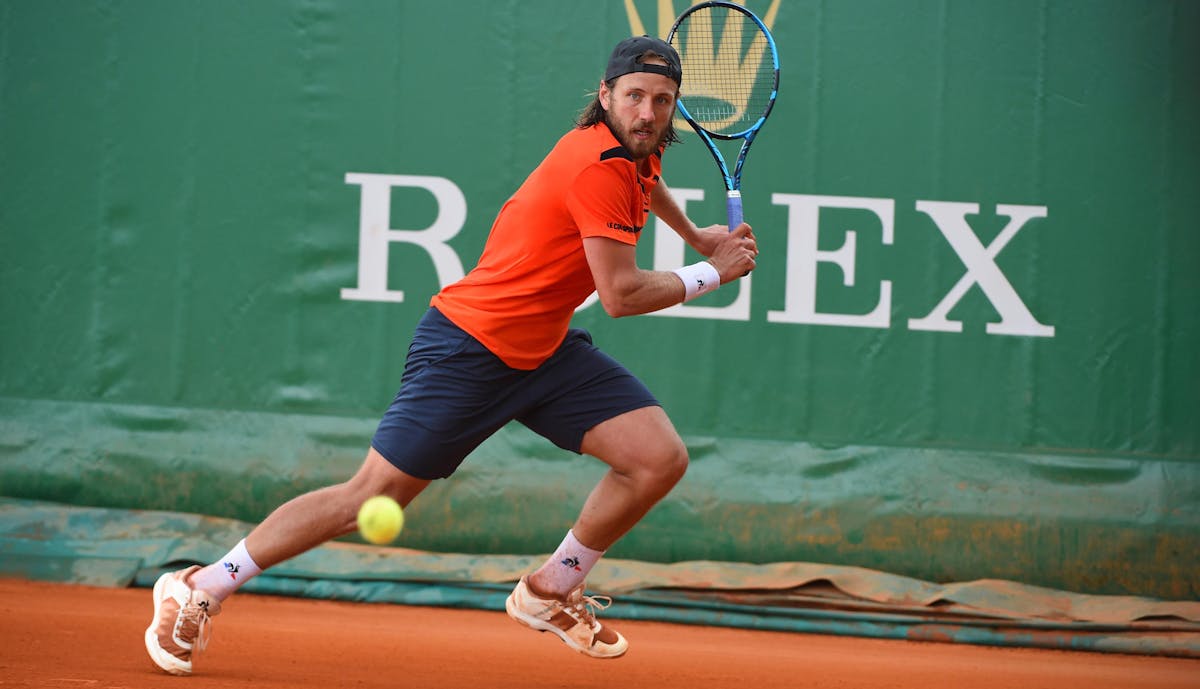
723	105
803	256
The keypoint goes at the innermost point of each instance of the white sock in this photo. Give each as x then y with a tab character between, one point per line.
568	566
223	577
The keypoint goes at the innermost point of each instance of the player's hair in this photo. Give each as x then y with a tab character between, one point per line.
595	113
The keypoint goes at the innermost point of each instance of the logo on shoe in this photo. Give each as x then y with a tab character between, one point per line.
572	562
232	569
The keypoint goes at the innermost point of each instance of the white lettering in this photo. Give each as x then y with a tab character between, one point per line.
950	219
375	232
803	256
800	294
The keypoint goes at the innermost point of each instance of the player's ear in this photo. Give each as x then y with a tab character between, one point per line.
604	94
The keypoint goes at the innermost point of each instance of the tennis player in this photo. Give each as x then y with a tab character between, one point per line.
497	346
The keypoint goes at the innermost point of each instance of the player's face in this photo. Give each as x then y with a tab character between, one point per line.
640	107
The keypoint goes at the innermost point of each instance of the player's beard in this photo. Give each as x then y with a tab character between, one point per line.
639	148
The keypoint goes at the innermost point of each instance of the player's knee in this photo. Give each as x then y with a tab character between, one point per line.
668	465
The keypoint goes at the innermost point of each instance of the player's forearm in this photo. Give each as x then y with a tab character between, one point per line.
626	290
641	291
663	205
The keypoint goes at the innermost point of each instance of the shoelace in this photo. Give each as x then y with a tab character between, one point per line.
588	606
195	626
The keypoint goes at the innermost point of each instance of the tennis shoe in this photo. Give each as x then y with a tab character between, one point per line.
182	622
573	620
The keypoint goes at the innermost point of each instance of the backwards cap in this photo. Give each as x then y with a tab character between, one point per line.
627	58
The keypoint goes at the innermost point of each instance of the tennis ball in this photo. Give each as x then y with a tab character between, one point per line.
380	519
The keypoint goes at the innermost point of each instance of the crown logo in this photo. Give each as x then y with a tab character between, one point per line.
712	103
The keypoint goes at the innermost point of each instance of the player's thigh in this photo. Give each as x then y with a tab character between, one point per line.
578	389
454	394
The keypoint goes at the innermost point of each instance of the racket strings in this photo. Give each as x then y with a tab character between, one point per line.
728	73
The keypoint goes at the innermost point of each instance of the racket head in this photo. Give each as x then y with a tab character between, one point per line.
730	69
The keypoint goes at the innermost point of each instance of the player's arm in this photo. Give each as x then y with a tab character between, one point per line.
626	290
703	240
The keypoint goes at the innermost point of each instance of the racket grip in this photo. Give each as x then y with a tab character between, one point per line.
733	207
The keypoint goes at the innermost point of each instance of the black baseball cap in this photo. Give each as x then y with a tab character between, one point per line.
627	58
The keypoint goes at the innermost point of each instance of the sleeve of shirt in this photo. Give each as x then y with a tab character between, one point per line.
606	201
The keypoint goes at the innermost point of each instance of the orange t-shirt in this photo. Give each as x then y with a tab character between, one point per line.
519	299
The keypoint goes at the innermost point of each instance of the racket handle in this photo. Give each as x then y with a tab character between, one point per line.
733	207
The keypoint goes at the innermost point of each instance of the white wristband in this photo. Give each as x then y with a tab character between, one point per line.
698	278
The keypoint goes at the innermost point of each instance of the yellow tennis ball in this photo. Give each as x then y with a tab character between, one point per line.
380	519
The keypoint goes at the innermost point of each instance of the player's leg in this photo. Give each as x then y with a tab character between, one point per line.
184	601
646	458
445	407
309	520
595	406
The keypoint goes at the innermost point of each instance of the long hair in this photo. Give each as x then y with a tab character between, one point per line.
595	113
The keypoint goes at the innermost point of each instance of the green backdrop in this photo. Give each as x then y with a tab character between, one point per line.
969	350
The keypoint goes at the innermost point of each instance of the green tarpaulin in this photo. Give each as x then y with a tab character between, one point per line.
121	547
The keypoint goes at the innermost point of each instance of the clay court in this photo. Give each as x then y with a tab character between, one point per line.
56	635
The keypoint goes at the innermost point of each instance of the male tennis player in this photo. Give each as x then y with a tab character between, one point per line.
496	346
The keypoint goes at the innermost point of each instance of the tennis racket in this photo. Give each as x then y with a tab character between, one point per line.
730	79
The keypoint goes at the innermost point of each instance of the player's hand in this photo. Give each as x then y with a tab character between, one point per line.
706	239
735	253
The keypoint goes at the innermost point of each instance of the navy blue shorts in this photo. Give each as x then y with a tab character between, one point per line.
455	393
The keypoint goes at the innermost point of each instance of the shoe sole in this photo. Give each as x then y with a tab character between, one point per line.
544	626
164	660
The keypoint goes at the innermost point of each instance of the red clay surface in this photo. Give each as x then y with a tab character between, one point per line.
56	635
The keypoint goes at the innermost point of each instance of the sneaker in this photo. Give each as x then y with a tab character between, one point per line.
180	629
572	620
